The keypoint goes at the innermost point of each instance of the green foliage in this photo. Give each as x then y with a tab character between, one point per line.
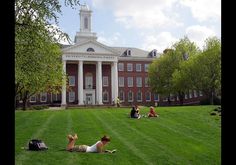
164	69
181	135
38	66
203	72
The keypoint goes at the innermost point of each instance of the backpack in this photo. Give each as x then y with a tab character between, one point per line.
37	145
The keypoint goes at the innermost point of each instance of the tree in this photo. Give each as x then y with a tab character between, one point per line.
38	66
203	72
162	69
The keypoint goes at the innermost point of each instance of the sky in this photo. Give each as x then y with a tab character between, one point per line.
147	24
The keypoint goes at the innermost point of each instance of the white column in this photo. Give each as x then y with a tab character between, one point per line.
99	83
80	83
63	92
114	85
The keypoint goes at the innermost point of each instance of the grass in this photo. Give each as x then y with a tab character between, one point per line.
186	135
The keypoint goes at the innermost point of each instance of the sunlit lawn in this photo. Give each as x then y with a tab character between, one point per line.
181	135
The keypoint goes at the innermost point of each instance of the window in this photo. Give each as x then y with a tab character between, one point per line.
121	82
71	96
190	94
138	67
120	66
139	96
154	53
177	98
43	97
146	67
105	96
33	99
130	81
71	80
121	95
129	67
194	93
146	82
88	81
200	93
156	97
128	52
56	97
165	99
172	97
90	50
185	96
105	81
148	96
86	23
139	81
130	96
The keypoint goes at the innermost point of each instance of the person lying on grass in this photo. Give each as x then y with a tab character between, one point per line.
98	147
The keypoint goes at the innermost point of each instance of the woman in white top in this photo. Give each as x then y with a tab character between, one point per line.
97	147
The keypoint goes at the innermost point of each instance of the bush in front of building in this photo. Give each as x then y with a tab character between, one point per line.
39	107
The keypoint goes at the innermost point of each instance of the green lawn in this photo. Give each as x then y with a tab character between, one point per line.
186	135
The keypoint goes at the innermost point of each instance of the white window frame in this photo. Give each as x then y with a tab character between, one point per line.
150	96
41	96
123	97
130	81
195	93
139	82
71	80
146	82
138	67
146	67
129	52
172	98
105	81
165	99
71	96
121	81
141	96
120	66
33	100
129	67
200	93
155	97
190	94
130	92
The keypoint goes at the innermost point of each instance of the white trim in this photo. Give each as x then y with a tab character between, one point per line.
33	101
132	96
41	96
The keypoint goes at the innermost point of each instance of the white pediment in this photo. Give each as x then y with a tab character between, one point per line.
82	48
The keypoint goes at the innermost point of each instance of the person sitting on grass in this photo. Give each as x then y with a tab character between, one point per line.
98	147
152	112
134	113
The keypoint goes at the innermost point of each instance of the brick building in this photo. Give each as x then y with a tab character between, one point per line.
98	73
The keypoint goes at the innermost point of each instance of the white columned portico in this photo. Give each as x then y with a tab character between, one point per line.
63	92
80	83
99	83
114	81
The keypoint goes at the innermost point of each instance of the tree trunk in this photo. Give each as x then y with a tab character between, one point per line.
25	100
181	98
212	98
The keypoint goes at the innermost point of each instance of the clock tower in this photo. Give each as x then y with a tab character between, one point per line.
85	32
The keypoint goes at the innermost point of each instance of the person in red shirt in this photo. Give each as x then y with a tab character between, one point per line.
152	113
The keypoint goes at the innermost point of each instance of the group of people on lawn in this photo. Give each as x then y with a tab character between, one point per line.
135	112
98	147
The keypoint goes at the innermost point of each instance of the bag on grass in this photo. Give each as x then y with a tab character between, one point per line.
37	145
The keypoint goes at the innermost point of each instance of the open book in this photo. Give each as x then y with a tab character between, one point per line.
110	151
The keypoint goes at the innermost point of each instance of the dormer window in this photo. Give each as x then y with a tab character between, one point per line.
128	52
154	53
90	50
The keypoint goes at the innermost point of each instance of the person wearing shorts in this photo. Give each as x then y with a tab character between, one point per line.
98	147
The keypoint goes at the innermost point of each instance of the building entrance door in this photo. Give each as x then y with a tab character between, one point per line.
89	98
